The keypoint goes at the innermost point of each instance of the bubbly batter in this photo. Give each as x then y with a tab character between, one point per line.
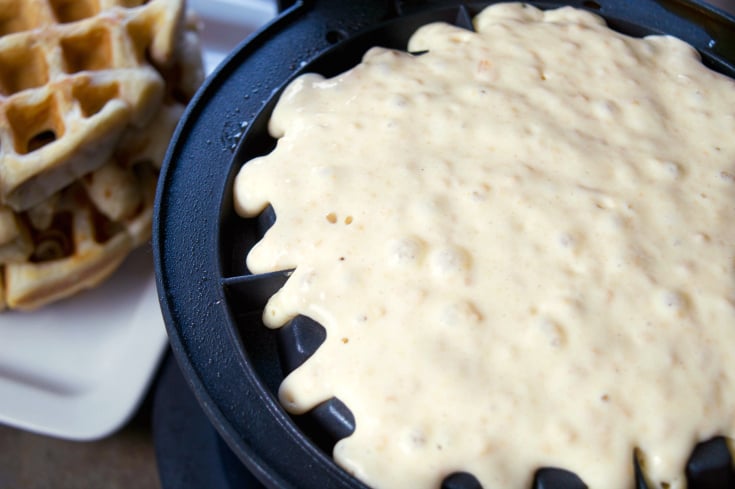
521	245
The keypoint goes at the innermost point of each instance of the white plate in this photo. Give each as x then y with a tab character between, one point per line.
228	22
78	369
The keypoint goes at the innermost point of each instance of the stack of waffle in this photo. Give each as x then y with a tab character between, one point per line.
90	93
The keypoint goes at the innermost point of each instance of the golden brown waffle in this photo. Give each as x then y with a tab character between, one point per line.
80	247
90	92
74	76
15	242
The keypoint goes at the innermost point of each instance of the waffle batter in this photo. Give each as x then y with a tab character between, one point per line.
521	245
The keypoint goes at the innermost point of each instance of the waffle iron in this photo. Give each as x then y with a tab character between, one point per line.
212	304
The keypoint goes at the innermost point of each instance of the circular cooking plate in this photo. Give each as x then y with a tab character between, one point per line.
212	304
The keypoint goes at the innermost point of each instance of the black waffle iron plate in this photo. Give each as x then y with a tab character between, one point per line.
212	304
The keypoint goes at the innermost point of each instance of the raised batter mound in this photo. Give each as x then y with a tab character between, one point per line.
520	244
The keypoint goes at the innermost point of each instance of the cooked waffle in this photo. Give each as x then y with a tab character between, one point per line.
79	248
73	76
15	243
90	92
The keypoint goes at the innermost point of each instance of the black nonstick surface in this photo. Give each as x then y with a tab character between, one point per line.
212	304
